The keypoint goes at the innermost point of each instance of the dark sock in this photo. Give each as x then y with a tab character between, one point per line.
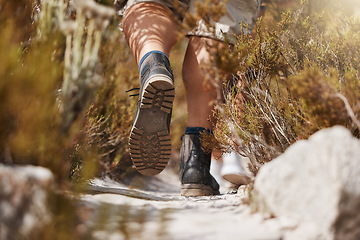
197	130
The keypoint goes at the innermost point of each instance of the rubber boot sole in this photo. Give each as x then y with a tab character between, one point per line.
149	143
237	178
197	190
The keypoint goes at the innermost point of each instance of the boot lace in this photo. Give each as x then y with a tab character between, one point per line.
131	90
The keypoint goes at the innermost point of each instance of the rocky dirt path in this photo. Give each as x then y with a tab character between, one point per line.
116	211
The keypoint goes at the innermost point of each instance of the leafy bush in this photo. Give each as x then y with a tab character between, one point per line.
298	75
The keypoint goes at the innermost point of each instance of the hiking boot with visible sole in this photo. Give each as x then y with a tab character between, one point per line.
195	176
149	141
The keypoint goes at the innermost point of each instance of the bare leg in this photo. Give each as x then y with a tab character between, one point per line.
196	179
200	98
148	27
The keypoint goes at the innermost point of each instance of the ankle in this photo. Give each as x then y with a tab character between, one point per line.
153	52
198	130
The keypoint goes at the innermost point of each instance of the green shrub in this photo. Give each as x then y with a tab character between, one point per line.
298	75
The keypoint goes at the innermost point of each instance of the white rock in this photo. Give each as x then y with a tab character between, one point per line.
23	199
317	182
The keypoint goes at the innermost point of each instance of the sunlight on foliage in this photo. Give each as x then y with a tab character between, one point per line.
65	69
291	80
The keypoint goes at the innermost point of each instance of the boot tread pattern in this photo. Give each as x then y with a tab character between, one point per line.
159	94
150	152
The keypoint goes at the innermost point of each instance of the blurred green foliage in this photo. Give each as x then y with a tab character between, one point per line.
30	73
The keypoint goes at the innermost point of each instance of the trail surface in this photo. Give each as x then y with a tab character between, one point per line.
152	208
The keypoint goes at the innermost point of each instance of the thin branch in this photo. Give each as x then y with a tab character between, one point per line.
349	110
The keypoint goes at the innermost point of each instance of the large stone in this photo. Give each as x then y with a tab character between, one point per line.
316	182
23	199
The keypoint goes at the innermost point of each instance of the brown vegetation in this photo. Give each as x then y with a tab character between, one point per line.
298	75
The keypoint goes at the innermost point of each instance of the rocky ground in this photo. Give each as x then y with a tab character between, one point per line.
312	189
160	212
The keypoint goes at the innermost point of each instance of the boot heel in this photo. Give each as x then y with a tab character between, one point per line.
194	169
195	190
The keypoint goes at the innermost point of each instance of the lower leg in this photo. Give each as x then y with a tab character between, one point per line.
201	94
147	27
195	176
151	33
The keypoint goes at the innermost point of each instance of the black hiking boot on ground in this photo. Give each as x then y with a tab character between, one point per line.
149	141
195	176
